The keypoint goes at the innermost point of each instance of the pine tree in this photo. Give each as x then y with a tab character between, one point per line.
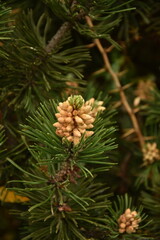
79	118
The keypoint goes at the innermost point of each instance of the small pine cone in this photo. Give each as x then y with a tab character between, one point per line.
75	118
129	221
150	153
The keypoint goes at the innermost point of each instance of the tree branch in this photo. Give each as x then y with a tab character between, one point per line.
66	26
118	85
58	37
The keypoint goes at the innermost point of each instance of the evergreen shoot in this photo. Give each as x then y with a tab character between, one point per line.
79	120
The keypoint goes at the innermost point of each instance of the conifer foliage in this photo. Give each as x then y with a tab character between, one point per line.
79	119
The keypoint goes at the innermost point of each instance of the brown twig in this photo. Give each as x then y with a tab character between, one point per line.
123	88
118	85
99	71
58	36
90	45
63	30
109	49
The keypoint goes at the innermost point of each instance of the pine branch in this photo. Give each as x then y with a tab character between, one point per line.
58	37
66	26
119	215
118	85
39	73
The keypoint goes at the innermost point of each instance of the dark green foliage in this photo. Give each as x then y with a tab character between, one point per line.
149	175
106	14
152	110
151	202
4	15
154	21
30	73
48	191
5	29
82	201
131	23
17	153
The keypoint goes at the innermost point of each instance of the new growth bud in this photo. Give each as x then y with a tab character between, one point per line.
129	221
150	153
75	117
76	101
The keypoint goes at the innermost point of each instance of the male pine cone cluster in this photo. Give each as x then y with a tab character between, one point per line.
76	117
151	153
129	221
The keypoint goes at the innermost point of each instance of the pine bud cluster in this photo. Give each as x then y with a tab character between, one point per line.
96	106
150	153
144	91
129	221
76	117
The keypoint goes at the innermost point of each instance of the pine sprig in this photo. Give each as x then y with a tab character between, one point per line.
90	151
69	201
71	211
17	152
5	29
150	200
4	19
116	210
39	72
148	176
106	14
152	109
